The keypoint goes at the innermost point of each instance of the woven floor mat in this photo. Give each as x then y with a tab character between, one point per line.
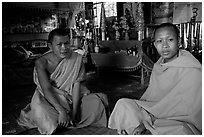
81	131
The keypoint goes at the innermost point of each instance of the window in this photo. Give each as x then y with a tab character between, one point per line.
110	11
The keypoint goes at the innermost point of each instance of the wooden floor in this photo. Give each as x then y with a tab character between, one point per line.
115	85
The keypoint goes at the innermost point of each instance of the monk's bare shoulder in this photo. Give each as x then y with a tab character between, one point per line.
42	62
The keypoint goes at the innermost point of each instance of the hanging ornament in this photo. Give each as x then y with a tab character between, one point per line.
103	21
140	20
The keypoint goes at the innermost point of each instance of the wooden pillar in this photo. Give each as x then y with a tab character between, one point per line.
119	9
142	75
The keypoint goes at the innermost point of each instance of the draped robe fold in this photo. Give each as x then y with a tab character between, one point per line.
173	97
41	114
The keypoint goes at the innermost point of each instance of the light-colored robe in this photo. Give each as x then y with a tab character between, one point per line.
173	97
41	114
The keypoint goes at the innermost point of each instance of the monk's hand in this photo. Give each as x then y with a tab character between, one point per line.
63	119
138	130
68	97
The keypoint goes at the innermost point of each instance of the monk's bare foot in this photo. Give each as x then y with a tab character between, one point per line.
138	130
123	132
72	127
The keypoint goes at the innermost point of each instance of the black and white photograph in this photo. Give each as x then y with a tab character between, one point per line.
101	68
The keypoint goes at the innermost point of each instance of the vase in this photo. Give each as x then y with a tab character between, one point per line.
126	36
117	35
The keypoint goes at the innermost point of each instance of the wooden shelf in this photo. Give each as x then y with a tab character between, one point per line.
24	37
115	45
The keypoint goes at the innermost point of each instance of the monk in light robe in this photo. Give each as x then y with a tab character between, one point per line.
172	103
60	99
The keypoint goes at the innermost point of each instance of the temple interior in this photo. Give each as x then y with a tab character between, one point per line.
115	39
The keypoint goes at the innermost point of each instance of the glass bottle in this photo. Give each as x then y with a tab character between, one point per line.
96	48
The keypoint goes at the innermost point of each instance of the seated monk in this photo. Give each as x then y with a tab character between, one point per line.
59	98
172	103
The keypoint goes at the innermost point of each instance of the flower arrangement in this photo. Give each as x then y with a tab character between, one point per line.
116	27
123	26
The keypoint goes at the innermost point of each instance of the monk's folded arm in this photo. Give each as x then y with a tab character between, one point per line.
47	88
75	99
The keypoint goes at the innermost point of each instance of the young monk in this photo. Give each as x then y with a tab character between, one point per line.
172	103
60	99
